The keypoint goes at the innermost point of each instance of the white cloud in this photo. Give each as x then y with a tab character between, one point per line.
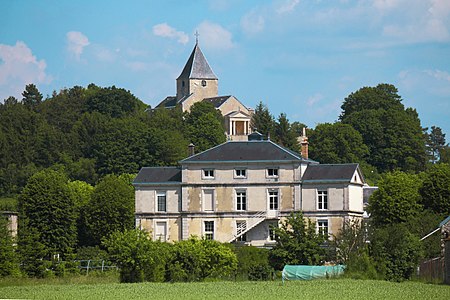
104	54
252	22
311	101
76	42
415	20
19	67
287	7
165	30
214	36
436	82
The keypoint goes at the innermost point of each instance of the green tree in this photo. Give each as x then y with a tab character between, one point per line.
435	189
436	142
204	126
445	154
352	250
396	251
262	121
337	143
82	194
168	146
123	147
33	253
47	205
112	101
284	134
392	133
111	208
297	243
397	199
131	251
8	259
31	96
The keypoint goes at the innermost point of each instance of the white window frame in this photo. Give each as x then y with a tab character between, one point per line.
213	204
319	227
322	199
275	172
208	174
158	194
207	233
269	197
241	207
155	236
238	173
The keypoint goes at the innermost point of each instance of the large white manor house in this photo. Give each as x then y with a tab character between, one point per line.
239	190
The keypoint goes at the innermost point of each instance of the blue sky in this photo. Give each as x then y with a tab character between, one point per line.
297	56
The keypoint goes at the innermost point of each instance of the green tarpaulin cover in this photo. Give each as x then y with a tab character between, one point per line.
301	272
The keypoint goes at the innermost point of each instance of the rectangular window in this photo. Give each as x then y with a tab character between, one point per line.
240	173
208	230
241	226
161	231
272	172
241	200
161	201
322	227
208	200
208	174
322	200
273	199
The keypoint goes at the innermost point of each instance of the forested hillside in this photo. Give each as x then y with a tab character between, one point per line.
90	132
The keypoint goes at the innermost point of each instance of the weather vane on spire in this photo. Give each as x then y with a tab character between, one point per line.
196	36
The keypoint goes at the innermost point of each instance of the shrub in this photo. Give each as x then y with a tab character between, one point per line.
253	263
196	260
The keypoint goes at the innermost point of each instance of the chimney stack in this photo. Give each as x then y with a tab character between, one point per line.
304	144
191	149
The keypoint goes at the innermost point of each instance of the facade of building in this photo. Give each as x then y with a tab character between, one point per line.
197	82
239	190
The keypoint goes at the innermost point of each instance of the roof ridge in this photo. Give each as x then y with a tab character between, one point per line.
287	150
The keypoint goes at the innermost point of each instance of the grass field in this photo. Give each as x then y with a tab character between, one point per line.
317	289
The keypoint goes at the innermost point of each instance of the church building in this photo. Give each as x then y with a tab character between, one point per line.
197	82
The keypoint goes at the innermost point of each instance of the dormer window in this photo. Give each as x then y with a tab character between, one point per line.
203	83
240	173
272	172
208	173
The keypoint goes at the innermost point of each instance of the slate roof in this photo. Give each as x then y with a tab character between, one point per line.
245	151
197	67
169	101
217	101
337	172
158	175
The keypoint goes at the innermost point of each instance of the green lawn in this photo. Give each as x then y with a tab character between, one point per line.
318	289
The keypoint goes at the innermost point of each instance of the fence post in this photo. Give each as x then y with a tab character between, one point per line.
87	270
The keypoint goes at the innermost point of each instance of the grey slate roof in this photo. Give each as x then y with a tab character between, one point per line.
158	175
338	172
217	101
240	151
197	67
169	101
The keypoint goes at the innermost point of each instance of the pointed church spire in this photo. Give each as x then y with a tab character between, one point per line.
197	67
